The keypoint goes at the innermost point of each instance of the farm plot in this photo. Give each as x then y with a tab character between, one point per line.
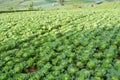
81	44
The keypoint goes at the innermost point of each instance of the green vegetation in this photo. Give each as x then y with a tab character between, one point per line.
76	44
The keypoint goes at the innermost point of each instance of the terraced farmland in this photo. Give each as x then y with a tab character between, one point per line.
80	44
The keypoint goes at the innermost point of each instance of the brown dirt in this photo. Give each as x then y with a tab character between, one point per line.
118	57
31	70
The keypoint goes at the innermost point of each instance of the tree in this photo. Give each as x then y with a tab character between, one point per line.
10	8
30	6
61	2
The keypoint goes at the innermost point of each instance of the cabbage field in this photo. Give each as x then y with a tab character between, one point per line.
76	44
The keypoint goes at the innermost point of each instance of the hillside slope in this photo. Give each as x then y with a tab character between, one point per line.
22	4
